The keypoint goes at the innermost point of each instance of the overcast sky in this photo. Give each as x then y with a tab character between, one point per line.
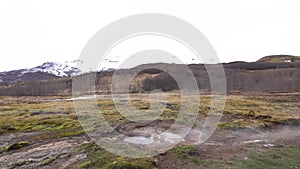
33	32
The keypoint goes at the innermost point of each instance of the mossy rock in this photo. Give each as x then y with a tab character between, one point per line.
144	107
125	164
184	152
15	146
47	161
17	164
83	165
121	165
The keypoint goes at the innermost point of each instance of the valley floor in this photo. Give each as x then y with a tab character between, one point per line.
257	130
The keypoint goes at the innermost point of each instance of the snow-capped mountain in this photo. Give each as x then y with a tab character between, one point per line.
56	69
48	70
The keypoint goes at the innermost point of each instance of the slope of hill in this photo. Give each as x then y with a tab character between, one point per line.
280	58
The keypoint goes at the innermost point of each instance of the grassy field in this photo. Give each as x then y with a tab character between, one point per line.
28	123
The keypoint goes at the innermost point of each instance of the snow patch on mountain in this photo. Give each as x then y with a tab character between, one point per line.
54	68
48	70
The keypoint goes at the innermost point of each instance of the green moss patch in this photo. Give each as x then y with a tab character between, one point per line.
281	158
99	158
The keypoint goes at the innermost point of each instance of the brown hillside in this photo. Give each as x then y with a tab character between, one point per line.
240	76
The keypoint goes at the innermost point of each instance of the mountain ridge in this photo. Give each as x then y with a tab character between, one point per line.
52	70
